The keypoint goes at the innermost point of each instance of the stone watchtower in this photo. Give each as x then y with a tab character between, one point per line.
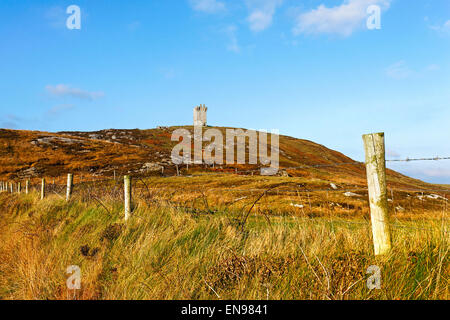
200	115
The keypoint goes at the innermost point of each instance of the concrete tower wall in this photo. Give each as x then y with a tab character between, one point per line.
200	115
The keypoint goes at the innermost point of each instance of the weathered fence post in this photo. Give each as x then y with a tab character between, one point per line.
19	187
376	182
27	186
43	189
127	196
69	186
11	187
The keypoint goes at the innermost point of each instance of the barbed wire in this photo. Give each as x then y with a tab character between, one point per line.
300	188
419	159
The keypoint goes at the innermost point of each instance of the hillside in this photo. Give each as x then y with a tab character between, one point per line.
34	154
207	236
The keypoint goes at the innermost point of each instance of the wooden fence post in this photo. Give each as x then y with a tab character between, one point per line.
69	186
11	187
19	187
27	186
43	189
376	182
127	196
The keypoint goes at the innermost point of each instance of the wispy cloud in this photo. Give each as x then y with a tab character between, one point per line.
233	44
56	110
428	174
392	154
62	90
168	73
134	25
261	13
343	19
56	17
399	70
207	6
444	28
436	172
433	67
10	121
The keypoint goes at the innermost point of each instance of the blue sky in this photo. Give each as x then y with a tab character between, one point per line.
310	68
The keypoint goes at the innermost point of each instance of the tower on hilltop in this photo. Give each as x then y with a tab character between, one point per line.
200	115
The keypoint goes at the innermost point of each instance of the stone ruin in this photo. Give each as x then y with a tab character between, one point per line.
200	115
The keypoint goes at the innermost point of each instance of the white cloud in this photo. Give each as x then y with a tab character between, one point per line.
343	19
233	45
60	109
10	121
445	28
399	70
62	90
392	153
168	73
437	172
133	26
446	25
428	173
56	17
207	6
433	67
261	13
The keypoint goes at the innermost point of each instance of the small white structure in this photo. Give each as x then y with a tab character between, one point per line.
200	115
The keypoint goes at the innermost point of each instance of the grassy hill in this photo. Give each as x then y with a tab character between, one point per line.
208	236
34	154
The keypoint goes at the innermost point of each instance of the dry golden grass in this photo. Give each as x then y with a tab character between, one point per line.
187	239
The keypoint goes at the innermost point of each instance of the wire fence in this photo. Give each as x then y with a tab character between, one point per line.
418	159
309	199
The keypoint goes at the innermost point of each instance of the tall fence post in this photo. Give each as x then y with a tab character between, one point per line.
43	189
376	182
127	196
69	186
19	187
11	187
27	186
